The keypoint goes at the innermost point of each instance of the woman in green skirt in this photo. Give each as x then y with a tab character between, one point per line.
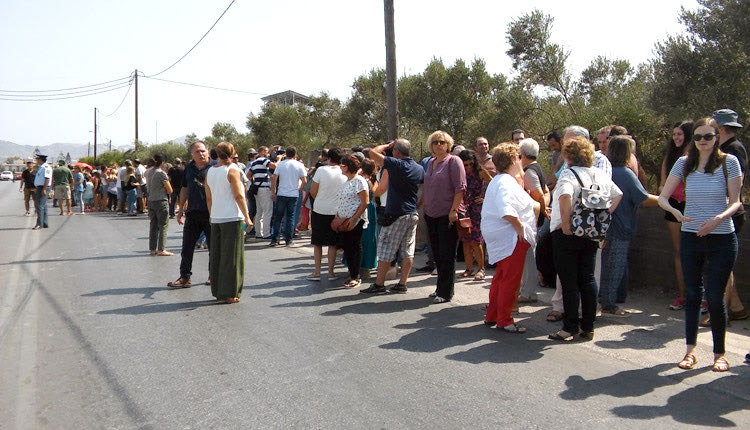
227	208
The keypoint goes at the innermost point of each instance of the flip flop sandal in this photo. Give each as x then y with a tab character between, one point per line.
467	274
180	283
432	295
479	276
688	362
558	336
438	300
513	328
554	316
353	283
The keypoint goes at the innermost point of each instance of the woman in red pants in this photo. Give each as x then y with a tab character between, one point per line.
508	212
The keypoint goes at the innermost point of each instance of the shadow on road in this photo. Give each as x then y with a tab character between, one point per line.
446	328
153	308
701	405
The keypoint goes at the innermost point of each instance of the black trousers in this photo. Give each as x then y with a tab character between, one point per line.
575	258
195	224
351	243
443	240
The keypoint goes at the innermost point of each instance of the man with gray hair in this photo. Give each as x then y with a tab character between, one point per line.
399	220
600	160
535	184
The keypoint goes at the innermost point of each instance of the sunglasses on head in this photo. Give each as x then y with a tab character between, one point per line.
707	136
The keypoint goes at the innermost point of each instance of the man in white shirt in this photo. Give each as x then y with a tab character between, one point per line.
287	180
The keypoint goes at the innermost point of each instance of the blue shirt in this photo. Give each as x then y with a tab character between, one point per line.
404	177
42	172
625	217
78	177
195	182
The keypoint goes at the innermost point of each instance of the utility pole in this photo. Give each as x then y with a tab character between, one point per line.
110	144
136	108
390	71
94	135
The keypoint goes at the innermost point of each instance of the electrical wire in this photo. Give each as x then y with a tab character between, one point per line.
68	93
121	102
64	89
196	44
206	86
55	97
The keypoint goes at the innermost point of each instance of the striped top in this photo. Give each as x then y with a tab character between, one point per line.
261	176
706	194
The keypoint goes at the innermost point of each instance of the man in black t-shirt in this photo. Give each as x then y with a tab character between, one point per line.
194	209
726	119
175	174
27	186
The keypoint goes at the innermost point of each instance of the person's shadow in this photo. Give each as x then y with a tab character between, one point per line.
702	405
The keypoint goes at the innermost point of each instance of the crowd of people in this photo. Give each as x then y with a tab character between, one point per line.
567	228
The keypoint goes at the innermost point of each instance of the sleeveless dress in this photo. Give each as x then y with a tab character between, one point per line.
474	189
370	237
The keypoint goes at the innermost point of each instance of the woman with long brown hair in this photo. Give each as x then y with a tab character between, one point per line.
712	188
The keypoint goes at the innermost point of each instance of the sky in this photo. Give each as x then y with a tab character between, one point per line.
264	47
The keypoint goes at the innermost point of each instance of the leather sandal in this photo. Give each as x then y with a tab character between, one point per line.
688	362
721	364
180	283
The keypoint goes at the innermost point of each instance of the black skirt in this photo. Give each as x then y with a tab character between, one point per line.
321	234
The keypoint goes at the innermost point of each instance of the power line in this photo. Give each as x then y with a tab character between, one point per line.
199	41
68	93
55	97
206	86
63	89
130	85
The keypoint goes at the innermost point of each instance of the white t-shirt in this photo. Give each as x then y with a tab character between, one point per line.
505	197
140	171
568	184
289	173
121	176
348	197
329	179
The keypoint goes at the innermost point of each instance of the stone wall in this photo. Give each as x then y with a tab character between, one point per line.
651	263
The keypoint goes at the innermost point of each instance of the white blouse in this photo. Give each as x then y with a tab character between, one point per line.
349	200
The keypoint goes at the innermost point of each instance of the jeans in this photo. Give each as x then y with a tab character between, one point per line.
614	271
297	212
132	195
443	240
195	224
719	252
78	199
284	207
172	202
41	208
574	261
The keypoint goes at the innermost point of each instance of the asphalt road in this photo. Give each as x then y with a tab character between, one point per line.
90	337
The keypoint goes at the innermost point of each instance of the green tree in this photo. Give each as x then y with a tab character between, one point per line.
364	115
707	67
538	60
278	124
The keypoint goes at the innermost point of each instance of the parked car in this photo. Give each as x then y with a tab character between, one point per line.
18	175
6	176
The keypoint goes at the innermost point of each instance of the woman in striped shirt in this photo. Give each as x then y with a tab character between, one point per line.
712	187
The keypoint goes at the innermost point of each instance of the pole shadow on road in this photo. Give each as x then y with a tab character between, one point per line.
148	292
701	405
160	307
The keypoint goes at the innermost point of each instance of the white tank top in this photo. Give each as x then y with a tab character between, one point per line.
223	206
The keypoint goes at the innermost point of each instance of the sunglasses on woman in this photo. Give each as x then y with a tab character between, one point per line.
707	136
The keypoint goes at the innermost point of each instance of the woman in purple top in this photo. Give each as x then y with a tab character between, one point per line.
444	183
